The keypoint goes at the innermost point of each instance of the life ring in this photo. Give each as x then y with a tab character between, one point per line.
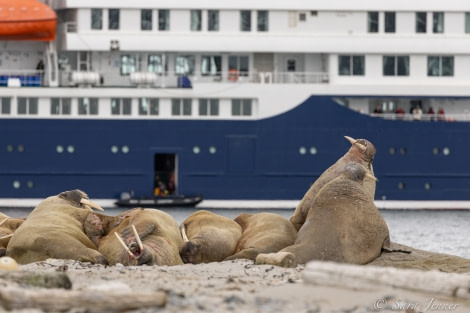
233	75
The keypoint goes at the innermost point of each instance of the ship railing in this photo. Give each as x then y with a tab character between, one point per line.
293	77
424	117
21	78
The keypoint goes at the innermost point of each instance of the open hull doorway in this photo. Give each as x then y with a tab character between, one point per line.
164	174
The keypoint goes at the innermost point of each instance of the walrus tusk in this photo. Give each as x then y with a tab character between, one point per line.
354	142
92	204
7	236
371	176
4	221
183	232
137	238
124	245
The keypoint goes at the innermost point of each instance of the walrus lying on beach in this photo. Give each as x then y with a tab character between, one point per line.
60	227
262	233
343	225
209	237
362	151
8	225
143	236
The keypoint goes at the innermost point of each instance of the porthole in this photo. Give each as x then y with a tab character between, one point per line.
313	150
212	150
30	184
302	150
196	150
435	151
70	149
402	151
401	186
427	186
446	151
114	149
20	148
10	148
59	149
125	149
392	150
16	184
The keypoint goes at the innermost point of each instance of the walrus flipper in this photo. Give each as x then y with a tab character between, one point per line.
249	253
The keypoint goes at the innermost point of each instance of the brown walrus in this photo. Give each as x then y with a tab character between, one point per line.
8	225
157	242
262	233
209	237
362	151
343	224
61	227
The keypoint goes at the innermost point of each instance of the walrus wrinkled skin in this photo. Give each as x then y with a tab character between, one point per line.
158	231
262	233
362	151
60	227
8	225
210	237
343	224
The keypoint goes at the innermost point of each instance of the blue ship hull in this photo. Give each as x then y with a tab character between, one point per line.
271	159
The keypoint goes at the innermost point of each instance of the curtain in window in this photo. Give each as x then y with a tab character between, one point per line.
113	16
433	66
263	21
245	21
403	66
447	66
96	18
467	23
196	20
146	19
438	22
163	19
213	20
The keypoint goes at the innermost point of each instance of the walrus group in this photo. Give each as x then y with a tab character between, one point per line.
335	221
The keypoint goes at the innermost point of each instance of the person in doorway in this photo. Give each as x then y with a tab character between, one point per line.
431	114
417	113
378	109
441	116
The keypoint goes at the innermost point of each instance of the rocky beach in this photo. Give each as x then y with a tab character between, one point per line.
419	281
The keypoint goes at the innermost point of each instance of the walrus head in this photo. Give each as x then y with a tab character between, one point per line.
365	147
79	199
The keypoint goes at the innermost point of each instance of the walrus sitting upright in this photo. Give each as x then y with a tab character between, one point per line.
361	151
209	237
8	225
262	233
61	227
144	236
343	224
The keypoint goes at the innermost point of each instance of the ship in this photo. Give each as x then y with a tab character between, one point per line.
239	102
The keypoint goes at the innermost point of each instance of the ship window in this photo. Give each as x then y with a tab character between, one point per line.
263	21
181	107
148	106
184	65
213	20
27	105
392	150
211	65
427	186
351	65
59	149
88	106
113	19
70	149
302	150
6	105
125	149
245	21
389	22
396	65
196	20
291	65
156	63
438	22
196	150
313	150
372	22
20	148
96	19
146	19
446	151
421	22
208	107
401	185
30	184
163	19
440	66
121	106
10	148
403	151
241	107
114	149
435	151
127	64
16	184
212	150
302	17
467	22
239	63
61	106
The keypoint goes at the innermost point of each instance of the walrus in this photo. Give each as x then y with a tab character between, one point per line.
343	224
60	227
262	233
8	225
144	236
209	237
362	151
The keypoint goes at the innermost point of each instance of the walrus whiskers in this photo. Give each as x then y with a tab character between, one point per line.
5	237
124	245
137	238
6	219
91	204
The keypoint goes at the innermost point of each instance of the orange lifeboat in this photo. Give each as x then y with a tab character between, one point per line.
27	20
